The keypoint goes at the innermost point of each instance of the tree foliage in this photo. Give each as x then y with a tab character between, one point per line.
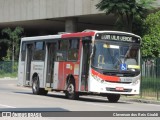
151	39
12	38
126	10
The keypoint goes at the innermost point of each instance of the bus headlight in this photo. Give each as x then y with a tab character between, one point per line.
98	78
136	80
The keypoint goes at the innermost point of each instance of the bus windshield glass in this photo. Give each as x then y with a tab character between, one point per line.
111	56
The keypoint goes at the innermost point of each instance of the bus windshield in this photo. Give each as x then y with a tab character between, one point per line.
109	56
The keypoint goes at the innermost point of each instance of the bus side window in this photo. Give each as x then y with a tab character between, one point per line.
61	54
73	49
39	52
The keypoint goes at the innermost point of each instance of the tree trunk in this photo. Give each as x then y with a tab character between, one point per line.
129	22
12	57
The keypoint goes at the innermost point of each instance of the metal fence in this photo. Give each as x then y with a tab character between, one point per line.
8	67
150	84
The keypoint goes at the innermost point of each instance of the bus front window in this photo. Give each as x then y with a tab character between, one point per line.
110	56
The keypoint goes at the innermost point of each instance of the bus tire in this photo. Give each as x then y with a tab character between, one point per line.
43	91
113	98
36	87
70	91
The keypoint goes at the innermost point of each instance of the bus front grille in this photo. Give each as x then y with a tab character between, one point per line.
115	90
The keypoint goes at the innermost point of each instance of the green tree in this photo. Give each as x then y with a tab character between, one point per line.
12	38
126	10
151	39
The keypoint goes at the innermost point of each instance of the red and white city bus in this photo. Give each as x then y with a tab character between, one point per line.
106	63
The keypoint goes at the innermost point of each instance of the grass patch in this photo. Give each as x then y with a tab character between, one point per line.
150	88
8	70
150	84
12	75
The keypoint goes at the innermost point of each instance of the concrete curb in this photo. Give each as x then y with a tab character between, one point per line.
8	78
139	100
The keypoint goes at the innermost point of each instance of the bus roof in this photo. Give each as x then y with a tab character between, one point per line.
93	32
41	37
77	34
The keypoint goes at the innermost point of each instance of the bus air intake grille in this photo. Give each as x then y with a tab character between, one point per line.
119	82
114	89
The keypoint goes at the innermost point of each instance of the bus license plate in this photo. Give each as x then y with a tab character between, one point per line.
119	88
126	79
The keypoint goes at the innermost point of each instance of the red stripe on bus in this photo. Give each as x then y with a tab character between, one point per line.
105	77
78	34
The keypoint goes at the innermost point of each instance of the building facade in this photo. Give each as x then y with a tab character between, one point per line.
40	17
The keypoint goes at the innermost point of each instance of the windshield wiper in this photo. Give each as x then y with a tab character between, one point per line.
97	67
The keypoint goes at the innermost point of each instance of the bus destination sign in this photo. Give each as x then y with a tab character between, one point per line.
118	38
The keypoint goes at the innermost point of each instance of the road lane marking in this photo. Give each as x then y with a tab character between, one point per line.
7	106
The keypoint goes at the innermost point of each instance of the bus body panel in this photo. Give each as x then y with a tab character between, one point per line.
56	75
114	88
21	72
23	64
71	69
37	67
61	77
79	34
99	85
62	71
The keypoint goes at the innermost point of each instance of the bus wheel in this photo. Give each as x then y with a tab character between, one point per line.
36	87
44	92
113	97
70	92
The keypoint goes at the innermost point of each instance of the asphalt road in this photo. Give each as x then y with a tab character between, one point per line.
15	98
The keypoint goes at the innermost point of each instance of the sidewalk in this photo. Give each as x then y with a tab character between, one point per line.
140	100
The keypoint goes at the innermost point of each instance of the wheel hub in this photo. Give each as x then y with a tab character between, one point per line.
70	89
34	86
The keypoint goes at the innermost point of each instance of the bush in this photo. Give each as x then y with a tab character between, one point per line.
151	39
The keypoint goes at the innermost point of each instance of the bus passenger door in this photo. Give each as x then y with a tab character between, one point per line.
50	64
28	63
85	64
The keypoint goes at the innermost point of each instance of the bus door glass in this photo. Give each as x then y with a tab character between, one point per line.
50	64
29	49
21	69
86	43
